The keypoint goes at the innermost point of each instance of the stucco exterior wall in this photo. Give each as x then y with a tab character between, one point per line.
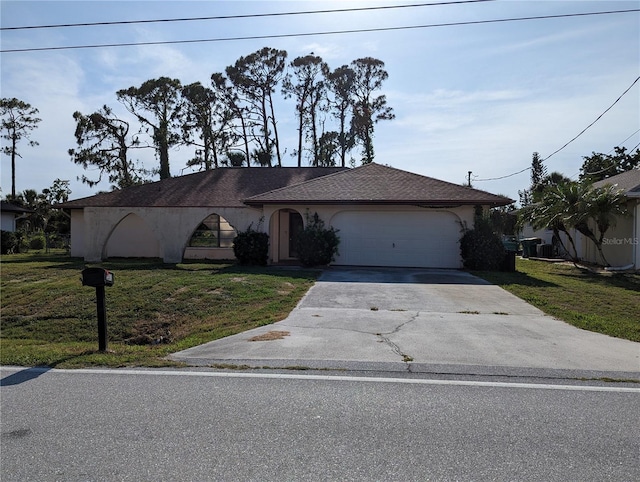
8	221
77	233
326	213
464	215
209	253
170	227
132	238
98	233
546	235
620	244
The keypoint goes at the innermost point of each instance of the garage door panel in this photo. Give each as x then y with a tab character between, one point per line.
398	238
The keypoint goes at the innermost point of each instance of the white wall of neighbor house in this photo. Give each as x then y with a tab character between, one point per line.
620	243
8	221
546	235
161	232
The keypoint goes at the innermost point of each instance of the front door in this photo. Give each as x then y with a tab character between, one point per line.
295	227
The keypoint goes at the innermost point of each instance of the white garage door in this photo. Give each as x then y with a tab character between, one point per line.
398	238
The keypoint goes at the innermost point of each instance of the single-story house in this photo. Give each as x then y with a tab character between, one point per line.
385	216
621	244
9	213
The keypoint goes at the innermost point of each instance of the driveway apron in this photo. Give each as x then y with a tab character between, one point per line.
419	320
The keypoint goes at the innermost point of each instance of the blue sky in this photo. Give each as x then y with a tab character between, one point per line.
478	98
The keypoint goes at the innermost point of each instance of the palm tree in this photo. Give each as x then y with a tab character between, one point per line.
602	205
573	205
550	213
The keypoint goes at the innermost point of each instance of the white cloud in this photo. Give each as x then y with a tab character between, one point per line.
328	51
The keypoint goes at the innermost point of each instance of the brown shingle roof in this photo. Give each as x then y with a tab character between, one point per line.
225	187
12	208
378	184
237	187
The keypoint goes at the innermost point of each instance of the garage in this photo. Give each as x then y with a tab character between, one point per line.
426	239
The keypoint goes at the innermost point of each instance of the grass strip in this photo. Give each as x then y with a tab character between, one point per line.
607	303
153	309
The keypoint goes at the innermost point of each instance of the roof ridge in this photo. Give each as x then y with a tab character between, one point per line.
346	169
415	174
374	182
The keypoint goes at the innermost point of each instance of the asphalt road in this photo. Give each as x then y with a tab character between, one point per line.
200	425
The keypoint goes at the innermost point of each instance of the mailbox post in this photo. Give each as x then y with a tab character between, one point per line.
99	278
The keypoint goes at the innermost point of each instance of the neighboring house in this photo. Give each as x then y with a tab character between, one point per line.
9	213
385	216
621	244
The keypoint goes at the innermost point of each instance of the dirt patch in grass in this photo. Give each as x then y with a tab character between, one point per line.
286	288
270	335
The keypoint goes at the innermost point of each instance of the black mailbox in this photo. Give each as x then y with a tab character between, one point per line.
97	277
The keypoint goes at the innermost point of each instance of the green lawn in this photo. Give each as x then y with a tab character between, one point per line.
606	303
153	309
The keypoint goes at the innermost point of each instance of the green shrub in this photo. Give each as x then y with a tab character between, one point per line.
9	242
316	245
481	248
251	247
37	242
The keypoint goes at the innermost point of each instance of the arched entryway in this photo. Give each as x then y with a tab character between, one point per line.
132	238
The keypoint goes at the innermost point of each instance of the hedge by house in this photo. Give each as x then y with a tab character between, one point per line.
317	245
251	247
482	249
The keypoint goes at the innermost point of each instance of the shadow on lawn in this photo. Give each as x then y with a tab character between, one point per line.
514	278
627	281
146	264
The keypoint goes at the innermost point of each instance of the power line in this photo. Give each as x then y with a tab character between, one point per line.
612	165
597	119
637	130
309	34
504	177
254	15
581	132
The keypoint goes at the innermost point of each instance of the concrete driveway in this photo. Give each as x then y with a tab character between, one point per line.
437	321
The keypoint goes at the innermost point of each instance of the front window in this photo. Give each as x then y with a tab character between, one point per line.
213	232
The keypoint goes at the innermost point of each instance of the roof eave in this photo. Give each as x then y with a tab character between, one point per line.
372	202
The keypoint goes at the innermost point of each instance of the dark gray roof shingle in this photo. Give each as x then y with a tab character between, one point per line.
224	187
12	208
237	187
378	184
